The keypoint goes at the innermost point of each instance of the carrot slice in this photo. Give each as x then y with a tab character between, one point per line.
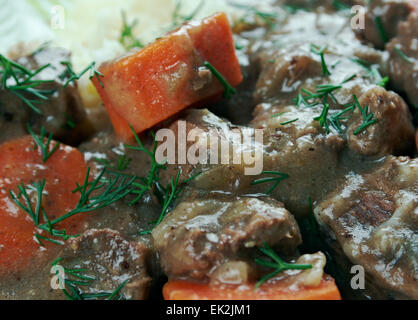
21	162
165	77
183	290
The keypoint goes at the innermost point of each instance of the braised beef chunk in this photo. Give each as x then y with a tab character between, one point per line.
60	110
107	261
393	131
403	62
382	20
373	218
201	235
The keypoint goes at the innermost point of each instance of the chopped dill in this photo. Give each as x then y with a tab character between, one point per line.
279	178
229	90
72	76
21	82
127	38
276	263
321	51
368	118
44	142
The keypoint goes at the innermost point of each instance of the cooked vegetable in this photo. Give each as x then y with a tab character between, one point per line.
37	187
183	290
169	75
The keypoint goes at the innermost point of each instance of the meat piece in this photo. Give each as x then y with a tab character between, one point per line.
373	219
394	130
382	20
403	63
201	235
110	260
62	114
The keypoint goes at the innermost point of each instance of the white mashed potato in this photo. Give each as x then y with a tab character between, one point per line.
91	29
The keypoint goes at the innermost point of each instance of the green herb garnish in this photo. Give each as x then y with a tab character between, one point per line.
276	263
383	35
278	114
320	51
72	76
372	71
179	19
403	55
111	190
171	192
23	200
270	19
289	122
335	119
44	142
148	183
323	118
20	81
368	118
127	38
80	278
340	6
229	90
279	178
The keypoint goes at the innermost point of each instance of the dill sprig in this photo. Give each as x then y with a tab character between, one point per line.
80	278
122	163
152	179
321	52
179	19
336	118
229	90
171	192
21	82
279	178
23	201
72	76
382	32
289	122
292	8
277	263
270	19
403	55
368	118
323	118
43	141
94	195
112	190
127	38
340	6
323	93
278	114
26	204
372	71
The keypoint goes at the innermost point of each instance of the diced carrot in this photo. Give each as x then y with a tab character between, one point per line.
183	290
21	162
166	77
